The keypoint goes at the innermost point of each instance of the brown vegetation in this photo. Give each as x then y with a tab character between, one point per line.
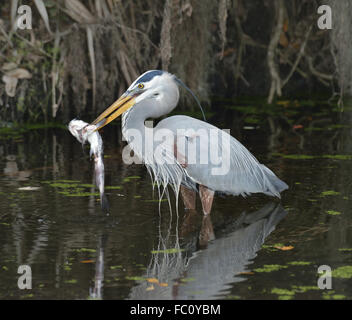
81	55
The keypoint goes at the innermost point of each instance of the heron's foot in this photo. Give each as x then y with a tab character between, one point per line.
207	198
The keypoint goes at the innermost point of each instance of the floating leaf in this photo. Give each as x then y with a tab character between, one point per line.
72	281
135	278
285	297
294	156
344	272
329	193
302	289
61	181
333	213
283	103
129	179
113	188
248	273
63	185
287	248
85	250
333	296
270	268
282	292
168	251
338	157
87	261
284	248
297	126
81	194
115	267
153	280
299	263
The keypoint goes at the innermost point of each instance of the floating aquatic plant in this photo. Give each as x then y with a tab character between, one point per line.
294	156
270	268
168	251
344	272
135	278
299	263
330	193
333	213
129	179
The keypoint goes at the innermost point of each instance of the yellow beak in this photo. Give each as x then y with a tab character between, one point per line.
117	109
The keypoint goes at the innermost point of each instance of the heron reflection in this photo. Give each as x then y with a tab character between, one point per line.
217	266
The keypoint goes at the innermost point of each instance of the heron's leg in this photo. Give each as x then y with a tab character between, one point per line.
189	198
190	223
206	232
206	197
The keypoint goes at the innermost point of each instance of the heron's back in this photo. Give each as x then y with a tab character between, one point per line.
217	160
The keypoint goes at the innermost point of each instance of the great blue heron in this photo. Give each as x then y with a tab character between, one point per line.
155	94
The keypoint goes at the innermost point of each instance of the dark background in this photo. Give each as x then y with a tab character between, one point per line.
81	55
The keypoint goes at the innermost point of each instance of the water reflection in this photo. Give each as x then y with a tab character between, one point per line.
207	273
65	241
12	171
96	292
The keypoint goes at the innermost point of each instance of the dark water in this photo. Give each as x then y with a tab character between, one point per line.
254	248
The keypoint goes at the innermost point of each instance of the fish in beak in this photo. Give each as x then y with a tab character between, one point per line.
115	110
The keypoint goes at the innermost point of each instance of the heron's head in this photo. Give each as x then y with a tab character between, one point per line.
154	94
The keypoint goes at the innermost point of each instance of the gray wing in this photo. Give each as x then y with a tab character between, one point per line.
217	160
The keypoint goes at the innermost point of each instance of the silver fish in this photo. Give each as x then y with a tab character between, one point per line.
84	132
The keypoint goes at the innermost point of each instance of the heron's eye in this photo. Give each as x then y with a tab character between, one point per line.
141	86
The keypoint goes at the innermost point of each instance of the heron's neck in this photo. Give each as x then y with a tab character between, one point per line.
136	133
132	121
